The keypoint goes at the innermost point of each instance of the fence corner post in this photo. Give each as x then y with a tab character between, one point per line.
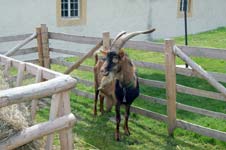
45	45
170	63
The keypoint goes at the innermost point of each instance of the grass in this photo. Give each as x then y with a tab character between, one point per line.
98	132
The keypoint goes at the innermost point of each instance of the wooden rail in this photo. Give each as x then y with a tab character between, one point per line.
24	42
200	70
38	131
149	65
141	45
152	83
14	38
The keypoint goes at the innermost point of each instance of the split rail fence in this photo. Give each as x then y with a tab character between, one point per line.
170	51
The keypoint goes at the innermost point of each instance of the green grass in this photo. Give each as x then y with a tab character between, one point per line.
98	132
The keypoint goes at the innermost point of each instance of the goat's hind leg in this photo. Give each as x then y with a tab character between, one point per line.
127	113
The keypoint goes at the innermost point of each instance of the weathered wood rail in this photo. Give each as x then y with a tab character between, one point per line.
56	85
170	118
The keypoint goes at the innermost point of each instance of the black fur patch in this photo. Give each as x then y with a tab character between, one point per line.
109	58
129	94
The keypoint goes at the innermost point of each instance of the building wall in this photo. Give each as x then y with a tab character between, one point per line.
206	15
114	16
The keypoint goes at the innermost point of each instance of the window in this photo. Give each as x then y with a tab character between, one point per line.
70	8
71	12
180	5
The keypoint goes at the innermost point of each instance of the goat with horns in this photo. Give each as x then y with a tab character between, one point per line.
119	70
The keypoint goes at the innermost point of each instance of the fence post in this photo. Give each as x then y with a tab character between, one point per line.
106	46
66	136
54	112
45	45
106	41
20	74
34	102
6	73
170	64
39	47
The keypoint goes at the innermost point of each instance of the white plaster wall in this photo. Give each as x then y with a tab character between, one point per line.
114	16
206	15
102	15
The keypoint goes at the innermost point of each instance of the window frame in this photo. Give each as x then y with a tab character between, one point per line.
69	20
180	14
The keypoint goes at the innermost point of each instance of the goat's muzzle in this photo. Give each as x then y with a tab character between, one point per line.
104	72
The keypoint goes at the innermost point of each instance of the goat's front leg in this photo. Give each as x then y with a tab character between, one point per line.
102	104
95	103
118	119
127	113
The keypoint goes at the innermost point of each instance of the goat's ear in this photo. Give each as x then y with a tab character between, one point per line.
104	52
121	53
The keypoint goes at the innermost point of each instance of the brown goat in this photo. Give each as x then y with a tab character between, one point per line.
107	91
119	69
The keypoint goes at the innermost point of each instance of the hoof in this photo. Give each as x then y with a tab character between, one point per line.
117	137
127	133
102	112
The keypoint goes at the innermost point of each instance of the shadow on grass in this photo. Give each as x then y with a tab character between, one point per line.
167	142
99	131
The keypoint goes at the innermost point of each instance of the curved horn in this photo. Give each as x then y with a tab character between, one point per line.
118	36
120	41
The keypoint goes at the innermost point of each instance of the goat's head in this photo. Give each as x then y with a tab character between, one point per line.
114	58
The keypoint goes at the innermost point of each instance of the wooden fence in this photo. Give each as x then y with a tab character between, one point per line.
57	85
169	68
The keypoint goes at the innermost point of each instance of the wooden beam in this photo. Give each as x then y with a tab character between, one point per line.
106	41
13	38
18	46
78	63
68	52
200	70
31	68
39	47
164	102
149	114
54	112
143	45
66	136
34	102
74	38
170	63
202	130
153	83
20	74
37	131
45	45
36	91
8	65
150	65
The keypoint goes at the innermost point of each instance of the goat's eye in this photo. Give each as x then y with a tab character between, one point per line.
115	60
